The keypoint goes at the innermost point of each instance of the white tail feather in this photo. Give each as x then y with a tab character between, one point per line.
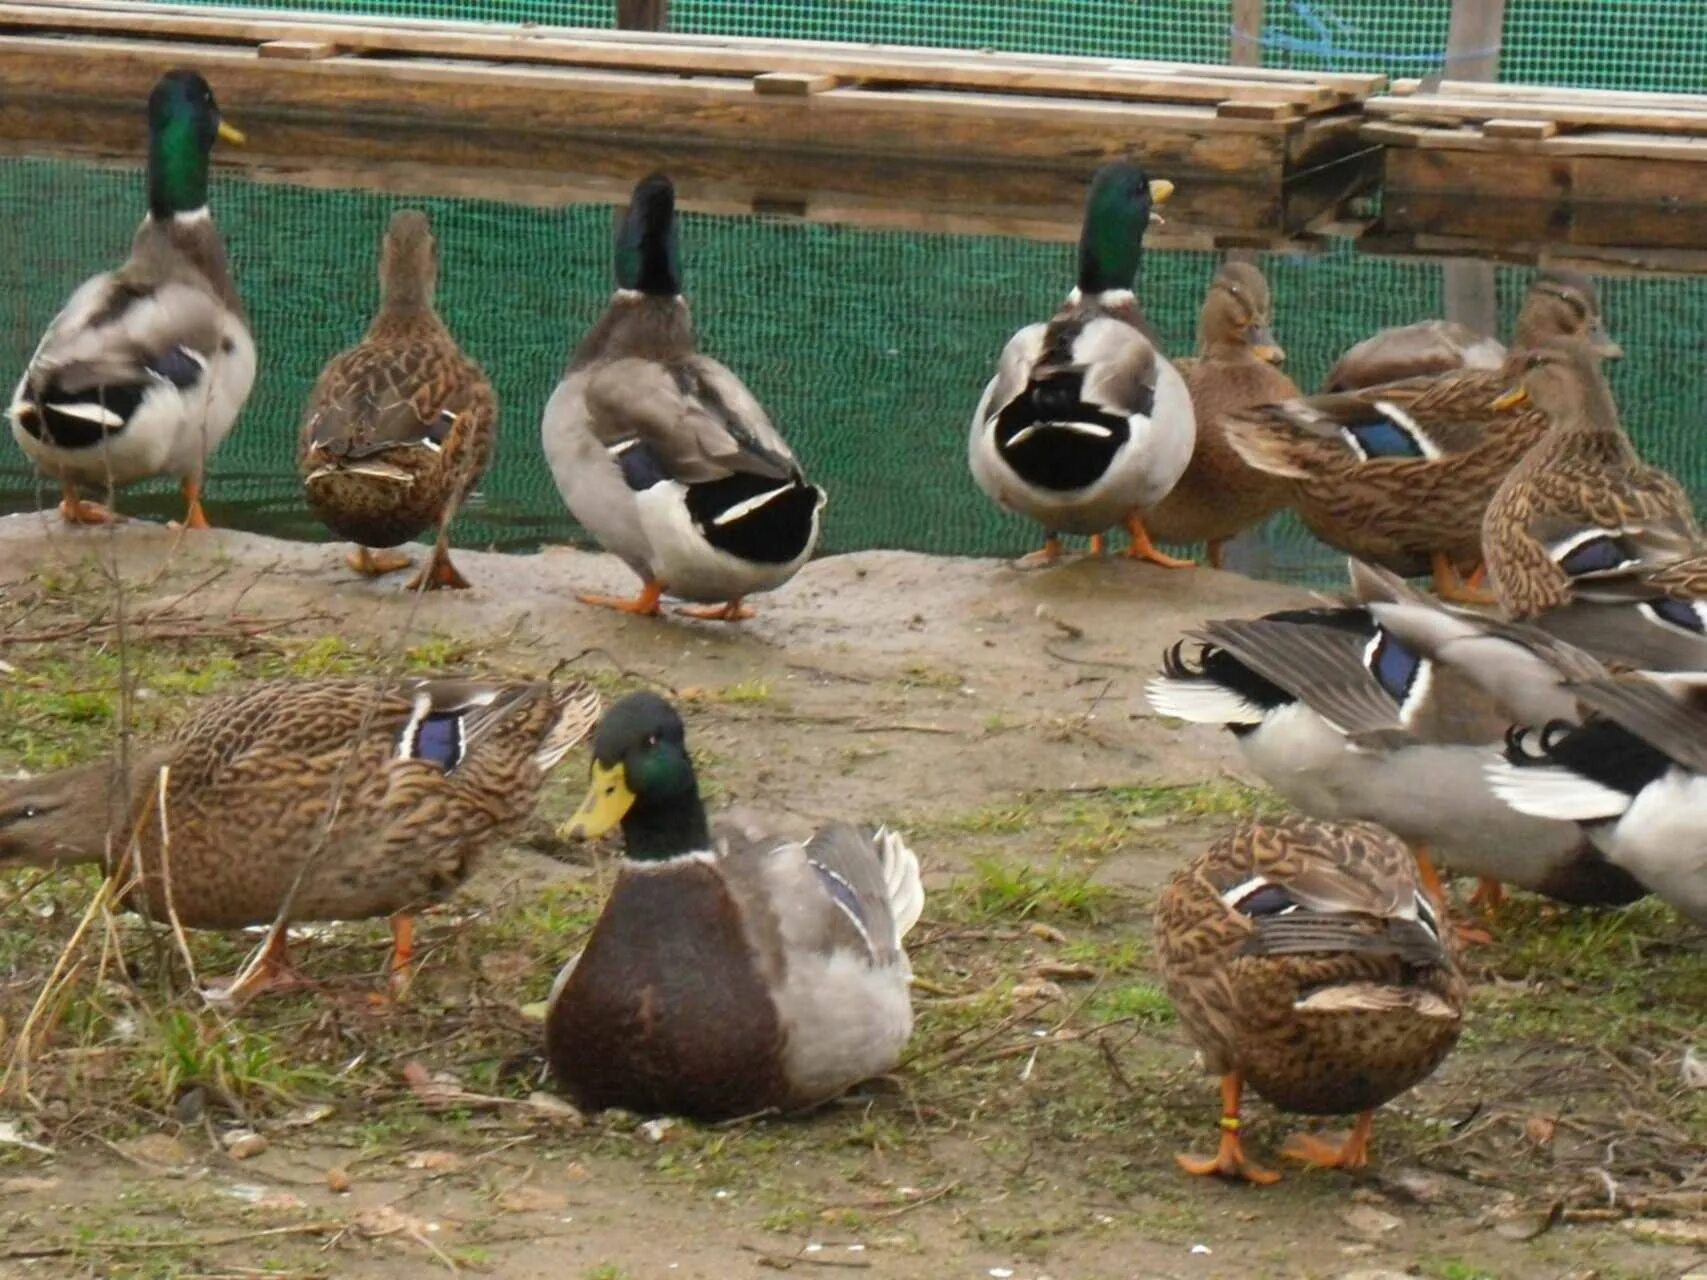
1551	791
1200	701
901	882
578	714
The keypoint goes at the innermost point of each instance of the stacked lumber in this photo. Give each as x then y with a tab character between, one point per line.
1252	125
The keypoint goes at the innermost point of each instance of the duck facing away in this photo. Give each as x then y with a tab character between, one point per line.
1582	517
1306	962
423	775
1236	369
1086	425
401	426
728	973
143	372
662	453
1399	475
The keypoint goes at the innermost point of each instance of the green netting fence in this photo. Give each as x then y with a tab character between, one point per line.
1608	44
870	347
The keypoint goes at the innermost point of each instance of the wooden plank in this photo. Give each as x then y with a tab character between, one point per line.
1440	107
305	50
1672	182
1596	142
1528	130
1243	109
1356	84
1174	139
632	51
1503	90
794	84
1473	39
1244	34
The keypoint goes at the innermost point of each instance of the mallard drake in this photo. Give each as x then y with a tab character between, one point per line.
1086	425
728	973
1218	495
662	453
421	774
1349	721
1422	350
144	370
1305	961
401	426
1400	475
1582	516
1634	776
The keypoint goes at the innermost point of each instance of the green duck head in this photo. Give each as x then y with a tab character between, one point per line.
648	256
1118	211
642	777
183	121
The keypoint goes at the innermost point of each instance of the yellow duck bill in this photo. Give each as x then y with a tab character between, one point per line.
608	801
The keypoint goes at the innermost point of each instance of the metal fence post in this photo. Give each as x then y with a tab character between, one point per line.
1473	53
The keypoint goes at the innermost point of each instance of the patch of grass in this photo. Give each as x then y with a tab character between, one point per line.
1215	798
745	693
1145	1003
192	1047
1455	1269
1006	889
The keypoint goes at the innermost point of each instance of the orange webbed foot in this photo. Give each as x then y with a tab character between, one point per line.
644	605
1228	1162
1348	1152
439	575
372	564
1143	549
1047	554
82	511
1456	590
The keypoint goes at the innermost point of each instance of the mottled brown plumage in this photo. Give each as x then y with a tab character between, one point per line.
1582	512
1220	495
424	773
1426	349
1428	453
401	426
1304	960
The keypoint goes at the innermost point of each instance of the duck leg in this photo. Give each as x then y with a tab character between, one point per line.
1449	586
75	510
1489	895
1047	554
1217	553
269	971
1468	934
438	573
398	972
1229	1161
1143	549
1350	1152
371	564
194	516
1099	544
644	605
734	611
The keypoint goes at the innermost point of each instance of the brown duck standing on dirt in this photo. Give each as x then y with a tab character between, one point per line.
401	426
425	773
1219	495
1306	961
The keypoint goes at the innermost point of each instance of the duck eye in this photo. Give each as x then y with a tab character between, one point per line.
651	740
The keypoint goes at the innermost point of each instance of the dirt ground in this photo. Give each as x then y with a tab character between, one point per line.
996	715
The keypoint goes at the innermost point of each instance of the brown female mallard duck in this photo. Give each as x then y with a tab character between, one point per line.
1399	475
1582	517
400	426
1426	349
1219	495
734	972
422	775
1305	961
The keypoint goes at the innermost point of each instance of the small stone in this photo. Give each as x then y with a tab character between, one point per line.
338	1180
1367	1220
244	1144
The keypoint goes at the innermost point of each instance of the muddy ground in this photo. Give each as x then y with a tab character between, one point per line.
994	714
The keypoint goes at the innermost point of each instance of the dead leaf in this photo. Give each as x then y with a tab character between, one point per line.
435	1090
657	1130
305	1116
1047	932
157	1148
1367	1220
1669	1230
338	1180
533	1200
242	1144
435	1161
558	1108
280	1202
382	1220
1038	989
1540	1129
1062	971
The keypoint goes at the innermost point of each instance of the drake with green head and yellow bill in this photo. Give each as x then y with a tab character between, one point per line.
1086	425
662	453
143	372
424	774
730	971
1306	961
401	426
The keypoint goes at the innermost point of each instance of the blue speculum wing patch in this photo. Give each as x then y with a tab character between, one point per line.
1679	613
1394	666
1267	900
178	367
1595	555
439	738
842	892
1384	438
